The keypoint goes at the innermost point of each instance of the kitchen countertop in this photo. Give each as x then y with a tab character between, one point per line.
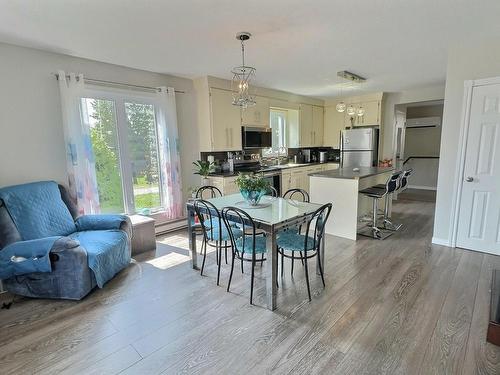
348	173
272	168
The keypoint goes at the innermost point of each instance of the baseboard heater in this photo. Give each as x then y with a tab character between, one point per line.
170	226
493	334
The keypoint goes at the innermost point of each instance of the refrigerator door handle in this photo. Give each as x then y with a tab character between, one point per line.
341	149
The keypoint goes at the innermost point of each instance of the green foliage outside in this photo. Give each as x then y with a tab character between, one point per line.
143	153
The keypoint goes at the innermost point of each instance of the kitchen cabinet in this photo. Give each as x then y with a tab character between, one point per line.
317	125
333	125
227	185
225	122
286	181
306	125
257	115
371	117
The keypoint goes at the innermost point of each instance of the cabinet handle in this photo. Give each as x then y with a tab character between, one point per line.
231	131
227	137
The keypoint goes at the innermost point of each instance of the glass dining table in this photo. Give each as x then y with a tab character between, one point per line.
272	214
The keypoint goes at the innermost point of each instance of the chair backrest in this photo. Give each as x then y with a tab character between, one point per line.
393	182
271	190
243	221
298	193
210	219
317	223
404	178
207	192
37	210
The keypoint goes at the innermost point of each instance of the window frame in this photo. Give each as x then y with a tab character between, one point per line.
119	98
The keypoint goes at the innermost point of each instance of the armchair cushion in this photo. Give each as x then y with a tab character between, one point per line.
100	222
108	252
37	210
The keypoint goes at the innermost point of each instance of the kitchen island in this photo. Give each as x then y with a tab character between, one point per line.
341	187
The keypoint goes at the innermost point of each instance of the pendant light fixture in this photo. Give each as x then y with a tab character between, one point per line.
242	76
341	106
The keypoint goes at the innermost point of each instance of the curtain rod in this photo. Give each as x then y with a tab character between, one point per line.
100	81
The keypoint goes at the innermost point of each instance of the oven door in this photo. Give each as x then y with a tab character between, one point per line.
256	137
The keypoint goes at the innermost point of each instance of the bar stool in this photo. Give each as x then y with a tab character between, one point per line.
402	183
377	193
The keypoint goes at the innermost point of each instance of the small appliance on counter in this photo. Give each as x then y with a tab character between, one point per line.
323	156
307	156
298	158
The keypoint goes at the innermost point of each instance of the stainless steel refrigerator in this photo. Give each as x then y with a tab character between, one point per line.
359	147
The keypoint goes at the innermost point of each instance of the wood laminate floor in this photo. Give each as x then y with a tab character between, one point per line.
399	306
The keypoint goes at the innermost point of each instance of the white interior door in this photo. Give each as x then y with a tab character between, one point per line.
479	216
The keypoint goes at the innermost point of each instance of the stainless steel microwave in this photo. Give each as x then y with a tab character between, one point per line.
253	137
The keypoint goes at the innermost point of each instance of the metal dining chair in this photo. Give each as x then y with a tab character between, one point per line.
213	192
246	247
297	193
307	245
302	196
215	232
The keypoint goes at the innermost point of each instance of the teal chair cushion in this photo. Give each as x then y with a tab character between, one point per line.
292	241
223	234
260	245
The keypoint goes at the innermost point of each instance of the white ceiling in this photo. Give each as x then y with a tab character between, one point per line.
297	45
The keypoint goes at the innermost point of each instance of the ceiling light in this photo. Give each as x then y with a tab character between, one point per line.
340	107
361	111
351	110
242	76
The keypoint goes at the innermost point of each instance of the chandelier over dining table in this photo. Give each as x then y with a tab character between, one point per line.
242	77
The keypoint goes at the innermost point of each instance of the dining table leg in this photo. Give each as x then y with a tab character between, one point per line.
192	239
272	269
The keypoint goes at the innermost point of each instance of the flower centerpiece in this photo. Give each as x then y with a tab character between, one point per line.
252	187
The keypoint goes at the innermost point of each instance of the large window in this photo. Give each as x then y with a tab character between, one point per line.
123	134
279	127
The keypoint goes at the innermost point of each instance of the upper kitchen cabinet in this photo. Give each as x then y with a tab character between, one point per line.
306	125
372	114
257	115
219	122
317	125
226	121
334	124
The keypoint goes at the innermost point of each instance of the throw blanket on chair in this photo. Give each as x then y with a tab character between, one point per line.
42	218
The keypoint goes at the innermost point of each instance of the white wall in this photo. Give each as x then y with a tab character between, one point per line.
434	92
466	61
31	133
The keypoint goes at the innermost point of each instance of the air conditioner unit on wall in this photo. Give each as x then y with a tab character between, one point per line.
423	122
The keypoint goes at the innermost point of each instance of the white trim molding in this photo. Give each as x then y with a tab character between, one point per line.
441	242
421	187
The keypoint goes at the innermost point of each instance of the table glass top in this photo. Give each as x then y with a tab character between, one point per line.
273	210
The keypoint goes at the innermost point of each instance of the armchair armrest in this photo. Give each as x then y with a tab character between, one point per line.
101	222
24	257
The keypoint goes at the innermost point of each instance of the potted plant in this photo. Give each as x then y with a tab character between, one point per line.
203	168
252	187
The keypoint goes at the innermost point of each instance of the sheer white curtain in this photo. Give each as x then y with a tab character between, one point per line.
80	157
168	144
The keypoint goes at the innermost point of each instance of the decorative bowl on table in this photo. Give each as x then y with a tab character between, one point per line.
252	187
252	196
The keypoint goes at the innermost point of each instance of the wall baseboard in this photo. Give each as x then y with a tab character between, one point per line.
441	241
422	187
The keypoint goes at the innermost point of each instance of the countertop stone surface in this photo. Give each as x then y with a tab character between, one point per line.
349	173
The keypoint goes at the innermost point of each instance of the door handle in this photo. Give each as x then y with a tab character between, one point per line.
469	179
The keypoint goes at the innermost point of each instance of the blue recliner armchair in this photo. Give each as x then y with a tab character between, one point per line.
47	251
